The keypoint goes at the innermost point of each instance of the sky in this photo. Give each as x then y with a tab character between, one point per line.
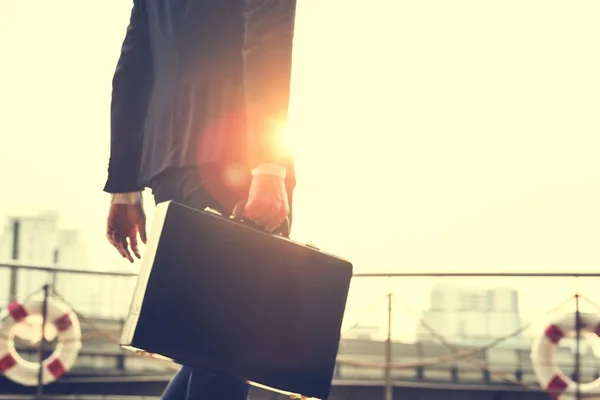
429	135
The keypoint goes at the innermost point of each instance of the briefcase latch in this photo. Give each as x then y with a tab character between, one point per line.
213	211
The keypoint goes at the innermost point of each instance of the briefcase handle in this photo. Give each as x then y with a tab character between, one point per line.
236	215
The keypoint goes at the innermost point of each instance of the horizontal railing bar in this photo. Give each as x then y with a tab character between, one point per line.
355	275
65	270
479	275
87	353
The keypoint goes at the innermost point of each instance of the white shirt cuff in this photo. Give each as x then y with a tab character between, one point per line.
270	169
132	198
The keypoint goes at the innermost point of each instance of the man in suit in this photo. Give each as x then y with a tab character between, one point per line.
200	95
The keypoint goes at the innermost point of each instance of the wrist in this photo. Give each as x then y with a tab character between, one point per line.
131	198
271	169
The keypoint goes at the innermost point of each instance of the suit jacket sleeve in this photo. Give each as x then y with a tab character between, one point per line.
269	34
131	88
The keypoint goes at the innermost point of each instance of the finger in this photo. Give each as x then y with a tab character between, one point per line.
259	212
134	245
110	233
273	224
267	214
271	227
114	238
119	248
263	222
284	212
142	230
115	243
239	209
120	244
124	246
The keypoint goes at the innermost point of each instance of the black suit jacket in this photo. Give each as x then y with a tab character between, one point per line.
200	82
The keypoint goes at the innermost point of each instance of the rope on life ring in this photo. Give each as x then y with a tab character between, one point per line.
62	359
543	351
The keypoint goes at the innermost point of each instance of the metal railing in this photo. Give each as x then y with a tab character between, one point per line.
97	294
475	326
467	328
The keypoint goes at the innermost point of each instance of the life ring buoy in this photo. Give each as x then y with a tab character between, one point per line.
543	351
62	359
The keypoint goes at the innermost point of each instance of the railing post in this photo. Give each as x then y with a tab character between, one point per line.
420	370
486	373
121	357
40	385
577	349
12	288
388	353
53	278
454	373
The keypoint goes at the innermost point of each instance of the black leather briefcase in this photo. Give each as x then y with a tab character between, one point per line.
218	293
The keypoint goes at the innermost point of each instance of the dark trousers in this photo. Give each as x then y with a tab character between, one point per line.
198	384
200	190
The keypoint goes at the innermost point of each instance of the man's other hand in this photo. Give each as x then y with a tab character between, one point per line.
267	203
124	222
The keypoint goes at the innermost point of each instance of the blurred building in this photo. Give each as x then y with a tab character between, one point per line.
463	313
39	240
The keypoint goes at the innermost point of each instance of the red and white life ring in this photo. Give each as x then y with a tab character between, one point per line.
549	376
68	331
